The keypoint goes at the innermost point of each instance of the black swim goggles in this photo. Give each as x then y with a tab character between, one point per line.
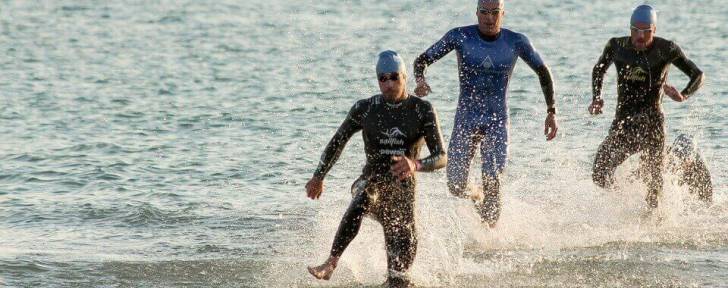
392	76
637	30
492	12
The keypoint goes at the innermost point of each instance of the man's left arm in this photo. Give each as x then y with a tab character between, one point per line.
547	85
689	68
533	59
433	138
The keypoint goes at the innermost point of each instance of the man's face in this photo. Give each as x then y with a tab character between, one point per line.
490	18
642	35
392	85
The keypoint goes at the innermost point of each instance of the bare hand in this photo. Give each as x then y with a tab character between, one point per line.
422	88
673	93
403	167
595	108
550	127
314	188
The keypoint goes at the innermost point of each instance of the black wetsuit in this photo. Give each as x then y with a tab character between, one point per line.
639	124
388	130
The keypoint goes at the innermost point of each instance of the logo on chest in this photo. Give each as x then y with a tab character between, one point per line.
394	133
394	137
487	63
636	74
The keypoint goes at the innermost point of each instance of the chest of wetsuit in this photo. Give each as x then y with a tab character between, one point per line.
485	69
641	74
388	130
392	129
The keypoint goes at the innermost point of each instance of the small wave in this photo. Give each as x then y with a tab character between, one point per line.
147	214
130	115
11	116
170	19
217	272
24	266
163	92
73	8
27	158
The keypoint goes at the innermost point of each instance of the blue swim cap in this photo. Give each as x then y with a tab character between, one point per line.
644	14
482	2
390	62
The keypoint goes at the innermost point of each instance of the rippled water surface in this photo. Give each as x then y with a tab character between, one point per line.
166	144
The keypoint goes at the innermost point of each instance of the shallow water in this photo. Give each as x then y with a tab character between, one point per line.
166	144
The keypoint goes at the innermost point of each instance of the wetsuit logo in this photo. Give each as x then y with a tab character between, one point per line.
487	63
394	133
636	74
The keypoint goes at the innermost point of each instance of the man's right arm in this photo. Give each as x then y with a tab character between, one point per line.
600	69
351	125
438	50
598	72
689	68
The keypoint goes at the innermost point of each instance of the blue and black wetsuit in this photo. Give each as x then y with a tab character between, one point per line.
388	130
485	67
639	124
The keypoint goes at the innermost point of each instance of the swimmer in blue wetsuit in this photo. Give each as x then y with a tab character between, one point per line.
486	55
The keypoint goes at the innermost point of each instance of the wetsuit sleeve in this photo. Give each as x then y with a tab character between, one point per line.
689	68
351	125
438	50
601	68
533	59
433	138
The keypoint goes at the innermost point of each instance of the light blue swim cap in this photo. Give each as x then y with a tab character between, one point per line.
390	62
644	14
483	2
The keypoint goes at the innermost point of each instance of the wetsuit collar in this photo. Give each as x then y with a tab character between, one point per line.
395	104
487	38
647	49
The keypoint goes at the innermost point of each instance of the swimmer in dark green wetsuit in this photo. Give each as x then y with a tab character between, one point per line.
394	127
642	62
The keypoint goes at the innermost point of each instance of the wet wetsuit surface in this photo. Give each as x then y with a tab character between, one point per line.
388	130
639	124
485	68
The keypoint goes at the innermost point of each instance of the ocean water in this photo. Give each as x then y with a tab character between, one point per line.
167	143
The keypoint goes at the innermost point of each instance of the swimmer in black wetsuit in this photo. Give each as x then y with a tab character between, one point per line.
642	62
394	126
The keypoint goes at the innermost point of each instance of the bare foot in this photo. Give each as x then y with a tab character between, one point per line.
323	271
